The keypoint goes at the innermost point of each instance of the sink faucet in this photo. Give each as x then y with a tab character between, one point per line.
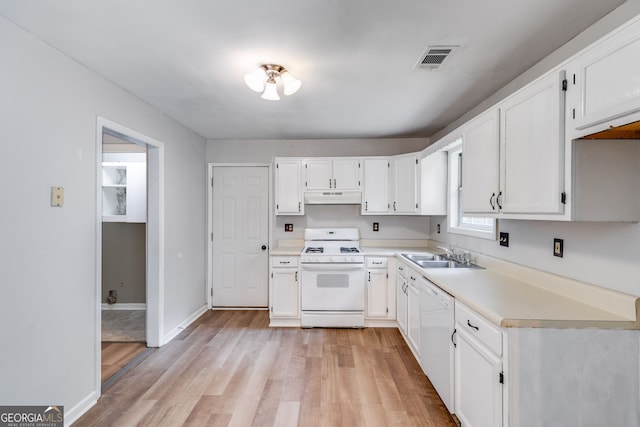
464	257
449	251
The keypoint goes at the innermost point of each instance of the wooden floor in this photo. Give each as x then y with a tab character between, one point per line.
116	355
230	369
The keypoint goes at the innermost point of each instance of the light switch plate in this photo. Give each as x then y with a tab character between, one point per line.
57	196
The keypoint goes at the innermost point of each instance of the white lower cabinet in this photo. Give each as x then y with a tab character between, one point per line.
478	392
413	311
284	295
381	298
401	297
478	370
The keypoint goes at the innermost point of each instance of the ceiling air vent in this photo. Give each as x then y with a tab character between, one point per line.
435	57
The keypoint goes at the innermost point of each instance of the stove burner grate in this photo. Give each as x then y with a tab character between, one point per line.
345	250
314	250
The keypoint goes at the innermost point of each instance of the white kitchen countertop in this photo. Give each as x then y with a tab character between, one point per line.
513	296
285	251
512	303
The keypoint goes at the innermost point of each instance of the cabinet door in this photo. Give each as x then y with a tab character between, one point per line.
319	175
433	184
413	318
532	147
284	293
478	391
405	184
401	304
480	164
376	187
377	293
289	187
346	174
607	79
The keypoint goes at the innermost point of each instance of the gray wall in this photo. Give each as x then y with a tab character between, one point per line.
49	308
124	261
263	151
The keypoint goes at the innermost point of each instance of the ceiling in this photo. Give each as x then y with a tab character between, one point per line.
356	58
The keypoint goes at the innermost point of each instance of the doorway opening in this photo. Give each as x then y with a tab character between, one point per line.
129	249
124	229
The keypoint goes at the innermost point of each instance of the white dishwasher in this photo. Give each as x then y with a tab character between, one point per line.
437	321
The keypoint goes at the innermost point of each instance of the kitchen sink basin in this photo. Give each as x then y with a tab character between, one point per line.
437	261
425	257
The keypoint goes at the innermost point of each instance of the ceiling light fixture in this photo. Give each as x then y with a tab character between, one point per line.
265	79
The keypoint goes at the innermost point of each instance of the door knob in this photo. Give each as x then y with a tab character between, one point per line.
264	247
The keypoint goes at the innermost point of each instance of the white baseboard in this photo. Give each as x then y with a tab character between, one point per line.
73	414
284	323
125	306
380	323
182	326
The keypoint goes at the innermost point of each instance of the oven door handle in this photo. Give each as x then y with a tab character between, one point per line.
331	266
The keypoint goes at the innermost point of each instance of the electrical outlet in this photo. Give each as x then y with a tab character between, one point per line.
376	226
558	247
504	239
288	227
438	228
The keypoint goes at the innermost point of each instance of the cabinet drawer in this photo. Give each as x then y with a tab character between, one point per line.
402	270
284	261
376	262
479	327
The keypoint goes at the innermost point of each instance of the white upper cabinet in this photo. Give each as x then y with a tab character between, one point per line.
405	184
375	200
480	164
319	174
512	155
333	174
607	79
288	179
347	174
124	192
531	149
433	184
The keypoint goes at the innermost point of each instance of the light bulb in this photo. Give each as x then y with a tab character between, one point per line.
290	83
255	80
270	91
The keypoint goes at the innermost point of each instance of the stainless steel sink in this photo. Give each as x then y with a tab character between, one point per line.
425	257
437	261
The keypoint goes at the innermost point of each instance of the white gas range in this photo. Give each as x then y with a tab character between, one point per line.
332	285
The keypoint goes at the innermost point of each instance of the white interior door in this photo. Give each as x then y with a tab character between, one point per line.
240	232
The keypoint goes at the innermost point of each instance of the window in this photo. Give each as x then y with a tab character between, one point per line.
459	223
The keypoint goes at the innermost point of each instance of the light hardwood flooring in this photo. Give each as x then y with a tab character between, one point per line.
116	355
230	369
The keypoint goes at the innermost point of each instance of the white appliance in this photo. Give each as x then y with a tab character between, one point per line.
437	322
332	282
